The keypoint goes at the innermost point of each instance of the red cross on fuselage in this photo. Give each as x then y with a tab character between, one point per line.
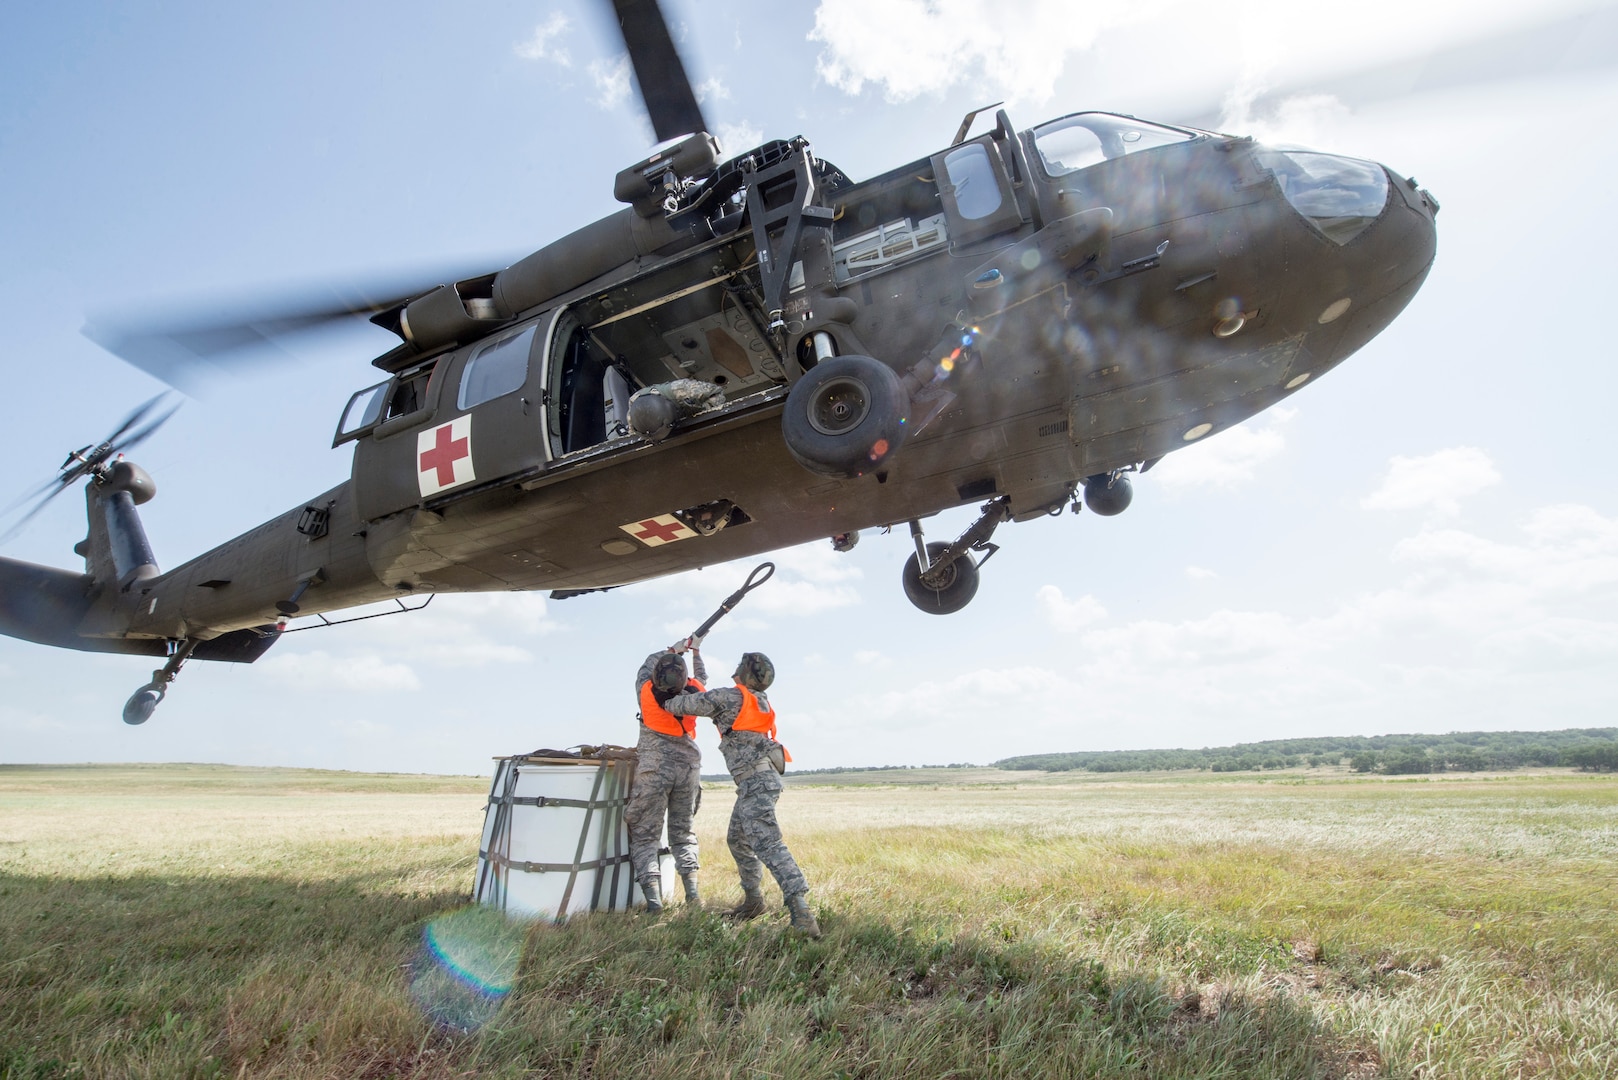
656	530
443	456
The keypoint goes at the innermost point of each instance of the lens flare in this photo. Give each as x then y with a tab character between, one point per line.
467	966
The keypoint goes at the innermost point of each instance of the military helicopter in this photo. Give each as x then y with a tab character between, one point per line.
758	351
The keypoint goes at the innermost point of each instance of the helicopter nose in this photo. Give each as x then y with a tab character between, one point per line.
1389	256
1381	237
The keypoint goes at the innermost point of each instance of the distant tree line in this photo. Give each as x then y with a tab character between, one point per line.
1591	749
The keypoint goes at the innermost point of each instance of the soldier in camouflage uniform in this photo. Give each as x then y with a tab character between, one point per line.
746	724
667	777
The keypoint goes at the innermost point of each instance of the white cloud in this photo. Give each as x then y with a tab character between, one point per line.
969	697
1437	481
1474	625
508	612
1227	459
458	630
1471	632
1068	615
542	45
1200	573
1299	120
711	89
357	673
1014	49
872	658
808	579
611	78
738	137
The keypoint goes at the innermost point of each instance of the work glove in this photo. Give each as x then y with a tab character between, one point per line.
689	644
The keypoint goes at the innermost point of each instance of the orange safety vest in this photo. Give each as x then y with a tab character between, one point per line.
660	719
753	718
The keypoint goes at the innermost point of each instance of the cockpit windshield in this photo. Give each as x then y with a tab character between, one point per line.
1077	142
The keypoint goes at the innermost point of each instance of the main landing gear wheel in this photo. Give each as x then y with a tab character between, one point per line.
945	591
845	417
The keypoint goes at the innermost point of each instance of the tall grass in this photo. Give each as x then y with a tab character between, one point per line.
201	921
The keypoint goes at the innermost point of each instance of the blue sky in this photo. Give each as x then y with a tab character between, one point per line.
1427	540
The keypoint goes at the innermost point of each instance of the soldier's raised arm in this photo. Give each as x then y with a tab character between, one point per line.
701	704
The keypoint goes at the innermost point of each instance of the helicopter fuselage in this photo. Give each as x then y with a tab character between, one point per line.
1061	304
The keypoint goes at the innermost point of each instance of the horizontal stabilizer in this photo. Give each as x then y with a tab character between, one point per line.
44	604
47	605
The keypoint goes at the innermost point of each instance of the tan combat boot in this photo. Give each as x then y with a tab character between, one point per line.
692	896
803	920
653	888
751	907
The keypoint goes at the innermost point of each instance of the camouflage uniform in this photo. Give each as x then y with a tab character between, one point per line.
754	836
667	781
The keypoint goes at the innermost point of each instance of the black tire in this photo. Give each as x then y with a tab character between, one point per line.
138	709
960	584
845	417
1108	495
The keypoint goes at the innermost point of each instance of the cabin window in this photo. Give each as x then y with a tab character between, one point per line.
363	411
977	189
497	368
1078	142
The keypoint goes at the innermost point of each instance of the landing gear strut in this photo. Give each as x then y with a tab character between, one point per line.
138	709
942	578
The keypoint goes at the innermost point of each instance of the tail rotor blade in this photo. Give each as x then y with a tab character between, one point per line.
42	499
135	438
128	422
134	429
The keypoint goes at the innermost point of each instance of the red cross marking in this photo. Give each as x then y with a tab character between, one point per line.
444	455
656	530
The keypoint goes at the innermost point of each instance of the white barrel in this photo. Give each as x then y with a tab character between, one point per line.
554	837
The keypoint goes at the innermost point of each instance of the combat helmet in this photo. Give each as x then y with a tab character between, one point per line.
755	671
668	674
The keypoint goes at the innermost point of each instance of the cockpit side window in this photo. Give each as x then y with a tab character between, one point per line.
363	412
1078	142
977	190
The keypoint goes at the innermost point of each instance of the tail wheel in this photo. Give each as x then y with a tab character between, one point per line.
138	709
845	417
947	590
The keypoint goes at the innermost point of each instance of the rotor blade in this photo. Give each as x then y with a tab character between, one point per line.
182	350
178	353
664	87
1563	45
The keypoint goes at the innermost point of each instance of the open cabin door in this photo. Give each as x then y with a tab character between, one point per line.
478	416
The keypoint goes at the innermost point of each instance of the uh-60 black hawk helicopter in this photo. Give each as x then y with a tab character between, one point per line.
759	351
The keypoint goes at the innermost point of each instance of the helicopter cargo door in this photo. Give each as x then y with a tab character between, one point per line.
481	420
587	395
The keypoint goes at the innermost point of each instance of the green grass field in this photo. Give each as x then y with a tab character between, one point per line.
168	921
